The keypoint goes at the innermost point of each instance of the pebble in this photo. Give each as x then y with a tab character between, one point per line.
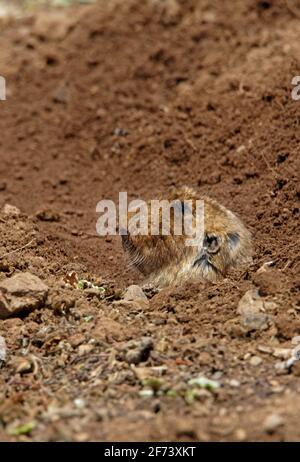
272	423
251	307
85	349
240	434
3	349
255	361
11	210
22	292
234	383
134	293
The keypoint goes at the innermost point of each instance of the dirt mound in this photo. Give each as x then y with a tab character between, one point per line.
139	97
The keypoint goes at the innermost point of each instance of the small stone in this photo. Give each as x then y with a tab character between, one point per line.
272	423
76	340
240	434
85	349
133	299
234	383
138	351
134	293
11	210
204	358
255	361
79	403
265	349
101	112
146	393
22	292
23	365
282	353
251	308
3	349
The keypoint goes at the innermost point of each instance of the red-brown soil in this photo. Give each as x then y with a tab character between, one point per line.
202	92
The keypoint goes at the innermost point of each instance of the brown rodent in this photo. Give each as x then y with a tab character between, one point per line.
167	260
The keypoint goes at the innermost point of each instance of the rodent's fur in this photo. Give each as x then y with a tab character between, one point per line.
166	260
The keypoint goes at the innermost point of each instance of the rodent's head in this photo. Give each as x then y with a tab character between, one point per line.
167	259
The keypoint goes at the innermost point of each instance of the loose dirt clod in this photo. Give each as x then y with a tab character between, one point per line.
11	210
22	292
137	351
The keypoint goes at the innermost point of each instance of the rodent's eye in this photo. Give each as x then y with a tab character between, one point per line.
234	240
212	243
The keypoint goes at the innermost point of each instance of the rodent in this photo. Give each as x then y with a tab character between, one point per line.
166	260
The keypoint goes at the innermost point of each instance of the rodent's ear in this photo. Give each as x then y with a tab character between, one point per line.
234	240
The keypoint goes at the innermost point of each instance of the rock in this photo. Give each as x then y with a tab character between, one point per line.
255	361
234	383
282	353
3	350
144	373
204	358
251	307
146	393
134	293
79	403
23	366
85	349
11	210
76	340
272	423
47	215
138	351
240	434
133	299
265	349
20	293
